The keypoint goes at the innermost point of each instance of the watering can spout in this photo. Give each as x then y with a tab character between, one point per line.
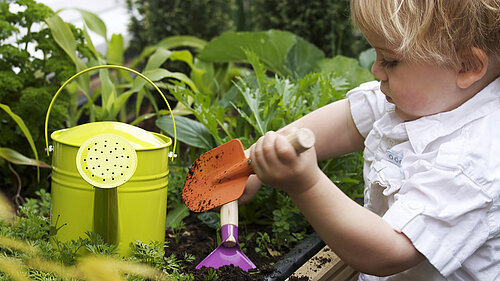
106	214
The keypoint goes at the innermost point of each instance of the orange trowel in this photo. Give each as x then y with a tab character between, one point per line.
219	175
217	178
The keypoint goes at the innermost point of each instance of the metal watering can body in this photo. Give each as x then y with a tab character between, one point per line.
109	178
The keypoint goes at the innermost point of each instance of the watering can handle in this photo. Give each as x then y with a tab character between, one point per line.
101	67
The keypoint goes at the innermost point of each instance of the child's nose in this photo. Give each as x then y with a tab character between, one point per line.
378	71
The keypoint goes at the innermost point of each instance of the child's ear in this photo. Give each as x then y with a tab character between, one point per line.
474	66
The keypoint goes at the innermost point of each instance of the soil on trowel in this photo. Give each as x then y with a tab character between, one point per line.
200	240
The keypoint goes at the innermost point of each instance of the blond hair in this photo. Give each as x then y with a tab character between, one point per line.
437	31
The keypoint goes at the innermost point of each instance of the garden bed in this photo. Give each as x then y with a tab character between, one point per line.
199	240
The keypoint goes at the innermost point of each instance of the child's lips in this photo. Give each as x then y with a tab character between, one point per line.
388	99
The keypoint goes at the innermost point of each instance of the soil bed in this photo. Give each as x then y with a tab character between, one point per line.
200	240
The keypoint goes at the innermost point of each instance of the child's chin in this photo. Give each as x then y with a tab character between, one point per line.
405	116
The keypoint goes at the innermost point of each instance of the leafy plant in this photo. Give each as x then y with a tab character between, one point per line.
211	275
282	52
326	24
289	226
260	103
263	243
175	219
28	81
117	87
15	157
27	253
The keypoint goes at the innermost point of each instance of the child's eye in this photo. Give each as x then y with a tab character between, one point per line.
388	63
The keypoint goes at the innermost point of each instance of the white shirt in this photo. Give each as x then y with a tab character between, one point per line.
437	180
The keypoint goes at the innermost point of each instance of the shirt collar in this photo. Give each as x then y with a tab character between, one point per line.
426	129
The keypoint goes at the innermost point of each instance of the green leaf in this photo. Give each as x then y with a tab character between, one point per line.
181	110
184	56
273	48
108	93
159	74
212	78
176	215
114	54
210	218
89	43
64	38
94	22
157	59
303	57
19	159
189	131
19	121
347	68
171	43
182	41
119	103
367	58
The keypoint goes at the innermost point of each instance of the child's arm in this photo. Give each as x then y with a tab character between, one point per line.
335	133
334	129
361	238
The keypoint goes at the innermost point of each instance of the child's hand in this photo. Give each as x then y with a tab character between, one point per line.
276	163
251	188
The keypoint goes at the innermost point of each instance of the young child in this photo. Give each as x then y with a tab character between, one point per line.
430	131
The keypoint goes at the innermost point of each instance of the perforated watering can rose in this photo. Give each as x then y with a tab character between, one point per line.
110	178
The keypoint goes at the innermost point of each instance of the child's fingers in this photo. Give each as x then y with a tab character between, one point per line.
258	162
252	186
269	149
264	158
284	149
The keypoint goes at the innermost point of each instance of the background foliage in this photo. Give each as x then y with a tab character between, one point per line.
325	23
153	20
232	85
28	81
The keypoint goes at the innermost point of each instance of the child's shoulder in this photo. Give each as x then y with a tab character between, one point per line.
477	149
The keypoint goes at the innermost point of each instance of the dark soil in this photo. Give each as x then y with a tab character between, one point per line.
200	240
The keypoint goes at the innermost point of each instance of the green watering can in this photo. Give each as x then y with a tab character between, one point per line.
110	178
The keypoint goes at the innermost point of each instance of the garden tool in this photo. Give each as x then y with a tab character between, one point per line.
229	252
219	175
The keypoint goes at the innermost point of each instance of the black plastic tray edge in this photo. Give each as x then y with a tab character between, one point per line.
297	257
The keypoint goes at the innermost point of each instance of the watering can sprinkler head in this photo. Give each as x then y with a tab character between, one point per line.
106	161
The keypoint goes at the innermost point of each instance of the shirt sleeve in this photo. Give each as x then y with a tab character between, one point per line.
444	214
368	104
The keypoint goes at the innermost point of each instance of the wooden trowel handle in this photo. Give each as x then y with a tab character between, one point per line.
229	215
301	139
